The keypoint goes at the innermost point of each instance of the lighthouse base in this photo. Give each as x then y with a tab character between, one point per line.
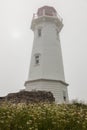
58	88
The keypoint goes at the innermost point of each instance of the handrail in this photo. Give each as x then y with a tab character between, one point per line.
35	16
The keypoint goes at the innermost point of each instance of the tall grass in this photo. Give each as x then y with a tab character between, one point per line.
43	117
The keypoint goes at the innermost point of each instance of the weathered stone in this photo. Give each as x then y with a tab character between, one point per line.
29	97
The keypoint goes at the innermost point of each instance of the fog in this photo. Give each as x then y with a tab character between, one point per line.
16	40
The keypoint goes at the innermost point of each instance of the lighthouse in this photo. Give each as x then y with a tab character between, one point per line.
46	71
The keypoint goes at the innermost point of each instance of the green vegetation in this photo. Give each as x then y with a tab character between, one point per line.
43	117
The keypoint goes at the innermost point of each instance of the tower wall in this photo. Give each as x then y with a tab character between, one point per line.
57	88
49	48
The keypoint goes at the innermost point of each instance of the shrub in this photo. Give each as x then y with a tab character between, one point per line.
43	117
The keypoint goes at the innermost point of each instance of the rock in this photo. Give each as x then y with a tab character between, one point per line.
29	97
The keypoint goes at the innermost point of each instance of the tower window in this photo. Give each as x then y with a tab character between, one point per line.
39	32
37	59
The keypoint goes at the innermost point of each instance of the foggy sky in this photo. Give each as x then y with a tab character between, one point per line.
16	40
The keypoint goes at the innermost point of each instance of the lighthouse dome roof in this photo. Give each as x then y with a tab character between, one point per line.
47	10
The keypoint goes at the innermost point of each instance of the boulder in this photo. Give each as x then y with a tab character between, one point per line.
29	97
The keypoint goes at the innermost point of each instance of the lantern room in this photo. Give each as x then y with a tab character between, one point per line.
46	10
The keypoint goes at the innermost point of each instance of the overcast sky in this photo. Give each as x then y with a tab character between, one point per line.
16	40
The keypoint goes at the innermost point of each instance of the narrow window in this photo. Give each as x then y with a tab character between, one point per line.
64	95
39	32
37	59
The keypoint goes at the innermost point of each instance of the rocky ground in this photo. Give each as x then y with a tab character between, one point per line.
28	97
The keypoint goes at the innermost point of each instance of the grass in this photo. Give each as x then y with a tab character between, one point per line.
43	116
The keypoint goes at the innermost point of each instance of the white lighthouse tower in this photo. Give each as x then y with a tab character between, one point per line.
46	67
